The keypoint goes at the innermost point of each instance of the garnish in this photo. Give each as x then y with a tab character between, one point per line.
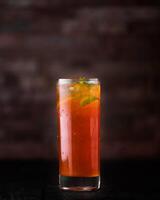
88	100
82	80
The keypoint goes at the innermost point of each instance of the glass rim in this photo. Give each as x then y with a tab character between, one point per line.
73	80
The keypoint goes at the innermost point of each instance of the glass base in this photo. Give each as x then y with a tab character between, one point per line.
79	183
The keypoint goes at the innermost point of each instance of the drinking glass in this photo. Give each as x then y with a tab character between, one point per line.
78	109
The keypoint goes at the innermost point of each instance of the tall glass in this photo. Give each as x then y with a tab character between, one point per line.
78	108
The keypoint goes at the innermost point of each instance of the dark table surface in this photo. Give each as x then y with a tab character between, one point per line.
125	179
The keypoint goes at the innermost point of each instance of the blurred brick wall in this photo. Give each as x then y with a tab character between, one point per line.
116	41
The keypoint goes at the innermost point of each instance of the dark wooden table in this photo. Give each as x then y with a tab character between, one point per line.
34	180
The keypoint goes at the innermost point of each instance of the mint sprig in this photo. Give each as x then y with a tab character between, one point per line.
82	80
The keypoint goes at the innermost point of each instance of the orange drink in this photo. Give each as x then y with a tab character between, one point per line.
78	108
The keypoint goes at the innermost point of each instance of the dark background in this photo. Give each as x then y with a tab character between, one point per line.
115	41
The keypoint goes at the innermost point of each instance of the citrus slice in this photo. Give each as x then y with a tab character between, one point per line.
88	100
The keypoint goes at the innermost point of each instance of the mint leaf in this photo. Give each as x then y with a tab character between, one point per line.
88	100
82	80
